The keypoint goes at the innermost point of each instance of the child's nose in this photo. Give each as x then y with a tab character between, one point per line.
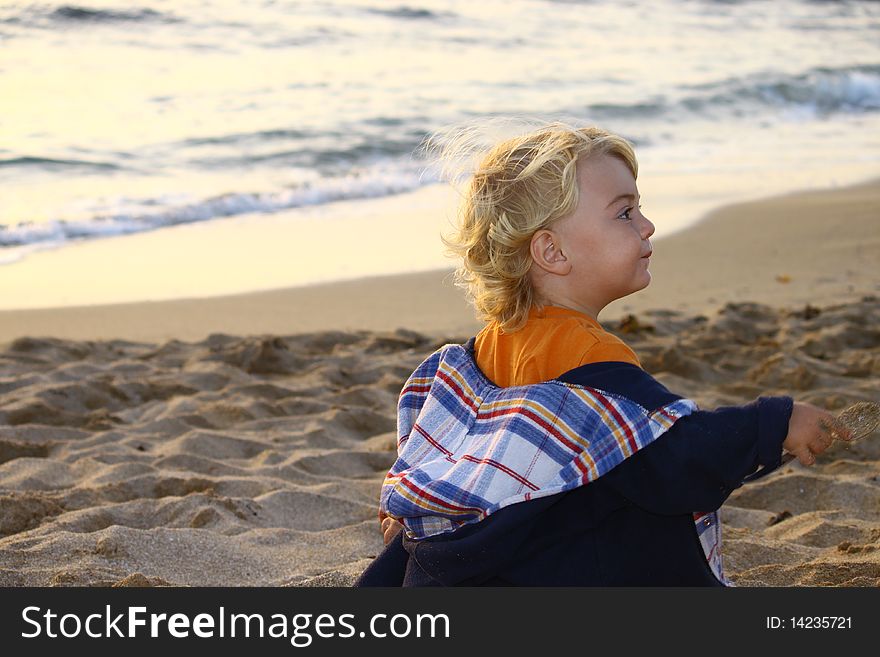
647	227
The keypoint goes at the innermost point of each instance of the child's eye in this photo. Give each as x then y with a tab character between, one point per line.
625	215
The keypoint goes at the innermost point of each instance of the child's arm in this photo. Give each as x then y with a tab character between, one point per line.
704	456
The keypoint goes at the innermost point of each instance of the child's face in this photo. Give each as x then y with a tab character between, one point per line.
605	240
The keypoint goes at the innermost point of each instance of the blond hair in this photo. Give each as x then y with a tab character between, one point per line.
521	185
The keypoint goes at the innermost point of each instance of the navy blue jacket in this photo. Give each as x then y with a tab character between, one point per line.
634	526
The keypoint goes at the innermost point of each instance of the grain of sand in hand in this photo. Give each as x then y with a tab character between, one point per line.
861	419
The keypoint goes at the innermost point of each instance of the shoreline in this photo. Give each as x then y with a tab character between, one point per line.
809	247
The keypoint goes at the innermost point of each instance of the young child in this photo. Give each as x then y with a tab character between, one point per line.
540	453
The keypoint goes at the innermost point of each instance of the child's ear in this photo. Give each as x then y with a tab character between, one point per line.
547	253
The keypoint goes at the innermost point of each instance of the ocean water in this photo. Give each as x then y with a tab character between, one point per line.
125	118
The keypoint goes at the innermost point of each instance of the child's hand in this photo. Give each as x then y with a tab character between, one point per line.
389	527
811	430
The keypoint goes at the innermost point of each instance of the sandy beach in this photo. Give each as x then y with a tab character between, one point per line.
241	440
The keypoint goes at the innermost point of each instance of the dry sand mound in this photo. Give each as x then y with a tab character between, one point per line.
257	461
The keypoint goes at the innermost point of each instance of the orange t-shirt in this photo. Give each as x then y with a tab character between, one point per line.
553	341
